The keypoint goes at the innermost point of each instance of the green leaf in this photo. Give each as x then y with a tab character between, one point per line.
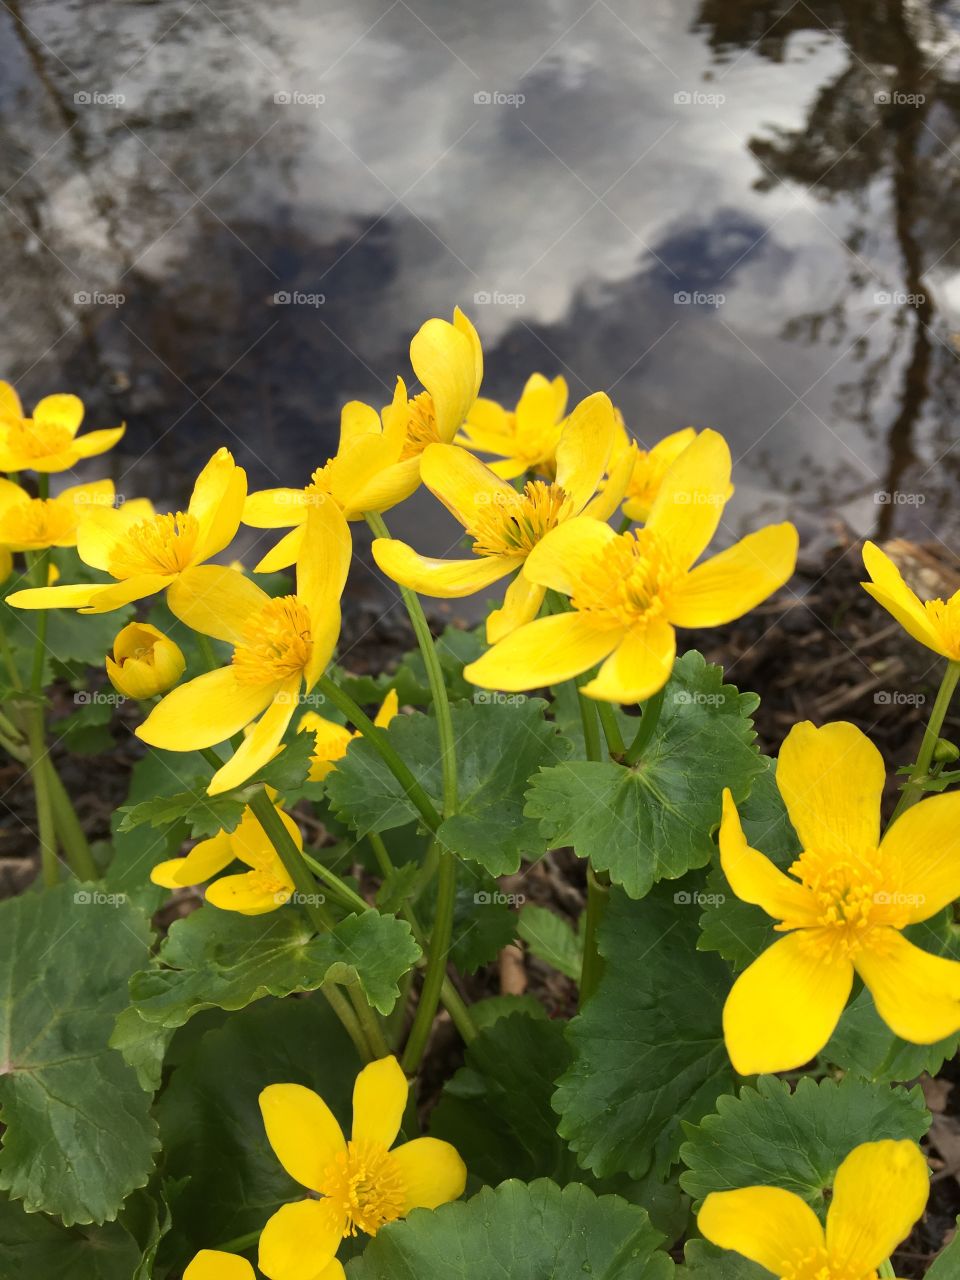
739	930
204	815
455	648
36	1246
484	921
79	1137
551	939
770	1136
648	1046
706	1262
210	1118
865	1045
654	821
486	1012
499	746
287	771
526	1232
496	1110
946	1265
226	960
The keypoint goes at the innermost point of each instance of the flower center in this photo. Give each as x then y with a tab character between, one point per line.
855	895
38	439
365	1187
276	643
646	477
815	1265
421	426
945	616
513	524
627	581
39	522
160	544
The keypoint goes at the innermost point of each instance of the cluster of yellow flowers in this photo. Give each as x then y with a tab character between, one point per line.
584	602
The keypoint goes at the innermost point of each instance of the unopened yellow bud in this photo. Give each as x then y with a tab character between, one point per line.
145	662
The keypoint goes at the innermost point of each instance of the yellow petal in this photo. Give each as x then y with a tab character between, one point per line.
166	873
217	503
768	1225
204	711
202	862
117	594
559	559
465	485
892	593
584	448
275	508
11	495
357	420
521	604
10	406
392	484
431	1171
640	665
100	534
687	510
545	651
285	553
879	1192
831	780
252	845
754	878
322	567
917	994
213	1264
444	359
90	597
331	739
299	1238
60	411
610	496
246	894
388	709
379	1099
260	745
440	578
93	443
216	601
784	1007
732	583
303	1132
925	843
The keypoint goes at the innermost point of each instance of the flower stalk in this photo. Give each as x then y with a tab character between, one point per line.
913	789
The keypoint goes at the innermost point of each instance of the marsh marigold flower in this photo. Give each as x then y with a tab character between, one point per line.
935	623
333	739
33	524
144	661
649	469
506	525
265	887
843	906
448	360
526	439
879	1192
281	647
145	552
630	591
362	1183
213	1264
48	441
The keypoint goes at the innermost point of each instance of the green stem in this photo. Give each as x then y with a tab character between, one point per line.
347	896
368	1020
611	730
648	723
239	1244
68	828
36	733
378	740
591	727
436	963
625	523
886	1269
592	967
265	812
341	1007
913	789
206	651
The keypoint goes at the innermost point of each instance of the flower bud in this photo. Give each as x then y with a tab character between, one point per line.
144	662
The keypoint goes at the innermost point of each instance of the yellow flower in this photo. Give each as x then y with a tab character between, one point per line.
48	441
879	1192
362	1183
506	525
146	552
265	887
32	524
935	623
212	1264
281	646
448	361
649	469
333	739
843	906
526	439
629	591
145	662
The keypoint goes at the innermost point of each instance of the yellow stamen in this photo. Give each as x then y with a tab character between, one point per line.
421	426
277	643
628	581
158	544
514	525
944	616
38	439
814	1265
364	1185
39	522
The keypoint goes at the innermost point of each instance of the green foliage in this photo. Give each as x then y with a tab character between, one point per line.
947	1264
526	1232
770	1136
551	939
648	1046
79	1137
499	746
455	648
706	1262
654	821
34	1245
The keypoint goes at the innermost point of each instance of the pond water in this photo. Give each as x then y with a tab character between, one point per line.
734	213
